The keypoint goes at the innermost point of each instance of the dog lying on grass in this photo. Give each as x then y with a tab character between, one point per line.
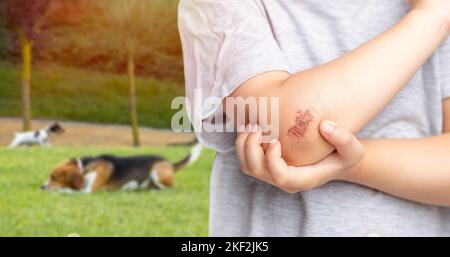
38	137
90	174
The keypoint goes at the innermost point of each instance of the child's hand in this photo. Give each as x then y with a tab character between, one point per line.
438	8
270	167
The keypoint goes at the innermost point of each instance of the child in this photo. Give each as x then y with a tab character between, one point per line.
376	68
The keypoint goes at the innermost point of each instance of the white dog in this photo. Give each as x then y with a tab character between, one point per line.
38	137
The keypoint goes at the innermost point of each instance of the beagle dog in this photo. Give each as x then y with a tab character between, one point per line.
38	137
91	174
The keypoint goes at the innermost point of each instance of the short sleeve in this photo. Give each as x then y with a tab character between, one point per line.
444	68
225	43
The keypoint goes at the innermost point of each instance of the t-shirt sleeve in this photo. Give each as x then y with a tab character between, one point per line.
444	68
225	43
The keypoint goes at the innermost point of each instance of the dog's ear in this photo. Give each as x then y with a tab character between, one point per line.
77	163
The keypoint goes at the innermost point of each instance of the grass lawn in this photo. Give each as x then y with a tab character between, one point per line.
25	210
74	94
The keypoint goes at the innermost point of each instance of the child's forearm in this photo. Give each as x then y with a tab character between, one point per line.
417	169
350	90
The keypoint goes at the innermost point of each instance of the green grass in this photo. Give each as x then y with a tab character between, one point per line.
74	94
25	210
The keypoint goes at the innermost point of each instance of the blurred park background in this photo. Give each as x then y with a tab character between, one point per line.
107	70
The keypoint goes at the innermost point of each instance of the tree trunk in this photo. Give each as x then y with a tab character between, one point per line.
132	98
26	75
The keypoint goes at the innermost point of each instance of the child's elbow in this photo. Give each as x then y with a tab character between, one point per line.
301	141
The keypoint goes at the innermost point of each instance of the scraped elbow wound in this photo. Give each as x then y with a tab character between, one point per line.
303	119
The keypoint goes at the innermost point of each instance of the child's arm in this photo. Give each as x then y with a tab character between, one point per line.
417	169
414	169
353	89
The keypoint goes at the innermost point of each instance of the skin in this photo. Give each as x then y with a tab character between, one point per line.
337	88
303	120
414	169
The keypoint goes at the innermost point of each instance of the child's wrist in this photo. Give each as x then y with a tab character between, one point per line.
352	173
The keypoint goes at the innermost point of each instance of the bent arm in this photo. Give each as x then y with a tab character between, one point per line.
350	90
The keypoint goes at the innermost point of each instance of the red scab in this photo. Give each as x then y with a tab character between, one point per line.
302	121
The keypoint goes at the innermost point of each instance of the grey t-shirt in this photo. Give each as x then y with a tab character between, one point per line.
226	42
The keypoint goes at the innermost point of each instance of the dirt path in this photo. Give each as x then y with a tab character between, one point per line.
87	134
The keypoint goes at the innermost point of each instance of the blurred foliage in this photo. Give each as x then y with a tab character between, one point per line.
76	34
5	35
77	94
28	17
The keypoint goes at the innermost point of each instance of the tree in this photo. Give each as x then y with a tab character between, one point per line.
121	26
27	17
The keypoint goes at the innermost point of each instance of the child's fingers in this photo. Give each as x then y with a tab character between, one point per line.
240	150
254	156
347	145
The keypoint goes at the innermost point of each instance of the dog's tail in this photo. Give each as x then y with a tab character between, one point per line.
191	158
